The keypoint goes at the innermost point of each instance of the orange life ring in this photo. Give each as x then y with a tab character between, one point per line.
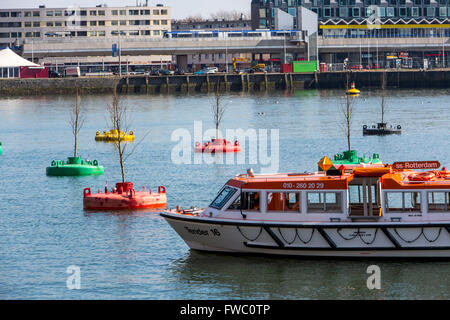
423	176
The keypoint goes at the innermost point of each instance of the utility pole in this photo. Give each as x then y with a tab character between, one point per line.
226	55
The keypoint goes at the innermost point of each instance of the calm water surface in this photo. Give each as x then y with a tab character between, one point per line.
43	228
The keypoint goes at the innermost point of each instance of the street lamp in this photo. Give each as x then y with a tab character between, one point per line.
119	33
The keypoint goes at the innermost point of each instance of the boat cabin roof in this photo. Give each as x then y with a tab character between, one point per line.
280	181
409	179
390	179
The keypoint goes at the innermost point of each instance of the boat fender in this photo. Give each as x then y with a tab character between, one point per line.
87	192
399	127
95	163
161	189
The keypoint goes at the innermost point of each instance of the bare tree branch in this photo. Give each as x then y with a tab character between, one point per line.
76	121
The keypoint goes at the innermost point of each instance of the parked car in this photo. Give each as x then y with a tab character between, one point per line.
165	72
212	70
179	71
356	67
154	72
54	74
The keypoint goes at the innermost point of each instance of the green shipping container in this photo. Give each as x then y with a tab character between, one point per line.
305	66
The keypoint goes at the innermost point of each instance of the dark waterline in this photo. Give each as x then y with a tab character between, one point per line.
44	230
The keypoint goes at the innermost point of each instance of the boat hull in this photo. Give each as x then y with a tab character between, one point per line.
315	240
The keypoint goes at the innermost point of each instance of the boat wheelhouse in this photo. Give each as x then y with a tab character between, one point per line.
371	211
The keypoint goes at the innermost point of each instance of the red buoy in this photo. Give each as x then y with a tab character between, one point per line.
124	197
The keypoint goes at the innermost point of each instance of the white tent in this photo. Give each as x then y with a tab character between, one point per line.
10	64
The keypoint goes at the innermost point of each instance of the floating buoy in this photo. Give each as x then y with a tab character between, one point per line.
218	146
113	135
124	197
353	90
74	167
1	148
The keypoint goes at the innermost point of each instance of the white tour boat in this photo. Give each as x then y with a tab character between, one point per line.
368	211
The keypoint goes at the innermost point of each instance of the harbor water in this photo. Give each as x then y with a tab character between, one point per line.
136	255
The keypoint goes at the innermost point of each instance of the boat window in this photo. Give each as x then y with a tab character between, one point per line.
438	201
250	201
323	202
223	197
402	201
283	201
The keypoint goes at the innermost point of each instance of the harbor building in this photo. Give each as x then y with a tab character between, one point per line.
370	33
84	25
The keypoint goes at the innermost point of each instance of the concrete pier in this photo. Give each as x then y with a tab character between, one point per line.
227	82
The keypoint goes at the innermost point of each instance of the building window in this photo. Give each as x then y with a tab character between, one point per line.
415	12
164	12
101	12
156	32
123	22
327	12
390	11
123	12
431	12
92	33
101	23
156	12
58	13
156	22
356	13
343	12
50	24
93	13
27	14
114	12
442	11
36	14
114	23
101	33
164	22
133	12
402	12
49	13
93	23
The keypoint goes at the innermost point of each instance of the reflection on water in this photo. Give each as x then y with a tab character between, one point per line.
44	229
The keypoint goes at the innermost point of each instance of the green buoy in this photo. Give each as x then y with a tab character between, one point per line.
350	158
1	148
75	167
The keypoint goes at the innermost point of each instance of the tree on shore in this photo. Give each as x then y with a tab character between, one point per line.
76	121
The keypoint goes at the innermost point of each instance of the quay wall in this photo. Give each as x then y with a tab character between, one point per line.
226	82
